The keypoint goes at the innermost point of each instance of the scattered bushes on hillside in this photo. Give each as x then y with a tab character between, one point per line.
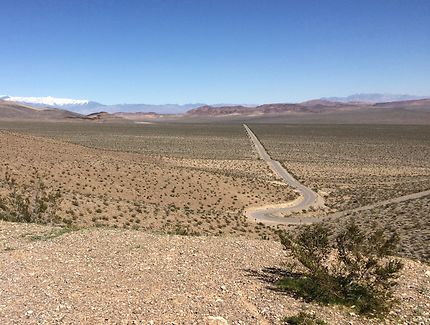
348	267
24	203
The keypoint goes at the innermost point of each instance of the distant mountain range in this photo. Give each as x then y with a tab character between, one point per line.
317	112
317	106
374	98
415	111
312	106
85	107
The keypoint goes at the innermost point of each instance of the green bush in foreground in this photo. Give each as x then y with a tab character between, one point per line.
36	203
350	267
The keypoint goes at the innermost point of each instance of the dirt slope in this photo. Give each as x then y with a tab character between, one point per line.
118	276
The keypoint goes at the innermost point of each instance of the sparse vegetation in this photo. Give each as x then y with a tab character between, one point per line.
303	318
28	203
408	219
52	234
163	194
196	181
354	165
197	141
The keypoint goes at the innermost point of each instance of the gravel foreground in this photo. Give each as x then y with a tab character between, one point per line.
111	276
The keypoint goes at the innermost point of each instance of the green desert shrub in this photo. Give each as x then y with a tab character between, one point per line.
349	266
303	318
22	203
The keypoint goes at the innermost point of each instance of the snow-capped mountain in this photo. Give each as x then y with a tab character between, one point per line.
75	105
47	101
83	106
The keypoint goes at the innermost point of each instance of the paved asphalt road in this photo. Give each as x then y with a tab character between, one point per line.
308	197
270	215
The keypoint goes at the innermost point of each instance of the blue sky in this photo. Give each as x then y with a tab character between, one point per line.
235	51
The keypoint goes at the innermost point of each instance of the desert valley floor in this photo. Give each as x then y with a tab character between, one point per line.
151	223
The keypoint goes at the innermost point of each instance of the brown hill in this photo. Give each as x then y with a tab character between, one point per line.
223	110
247	111
281	108
322	111
15	111
411	105
105	117
314	106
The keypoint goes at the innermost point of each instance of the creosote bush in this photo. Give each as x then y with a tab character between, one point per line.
22	203
348	267
303	318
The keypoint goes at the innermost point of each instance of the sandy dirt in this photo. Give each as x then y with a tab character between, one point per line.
109	276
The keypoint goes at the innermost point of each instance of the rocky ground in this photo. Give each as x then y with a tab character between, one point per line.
117	276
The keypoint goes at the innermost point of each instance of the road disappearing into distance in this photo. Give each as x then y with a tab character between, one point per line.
271	214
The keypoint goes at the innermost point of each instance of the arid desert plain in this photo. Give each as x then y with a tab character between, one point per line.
153	223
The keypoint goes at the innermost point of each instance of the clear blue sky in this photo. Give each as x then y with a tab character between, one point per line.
235	51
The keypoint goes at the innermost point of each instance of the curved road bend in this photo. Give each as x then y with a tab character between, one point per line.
270	214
